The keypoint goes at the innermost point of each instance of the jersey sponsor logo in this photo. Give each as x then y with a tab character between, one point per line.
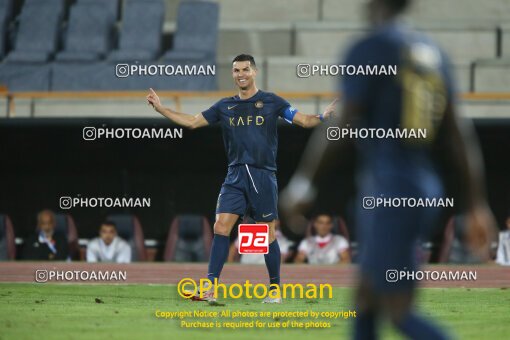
259	104
246	120
231	107
253	238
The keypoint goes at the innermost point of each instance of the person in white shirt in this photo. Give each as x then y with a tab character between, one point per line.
108	247
503	255
324	247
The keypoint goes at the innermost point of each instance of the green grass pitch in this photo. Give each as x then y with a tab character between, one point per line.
57	311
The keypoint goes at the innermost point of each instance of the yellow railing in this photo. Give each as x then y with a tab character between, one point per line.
177	96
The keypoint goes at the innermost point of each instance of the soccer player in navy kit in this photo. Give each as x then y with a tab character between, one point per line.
249	124
420	96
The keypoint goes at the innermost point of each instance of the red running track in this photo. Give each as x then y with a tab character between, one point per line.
487	276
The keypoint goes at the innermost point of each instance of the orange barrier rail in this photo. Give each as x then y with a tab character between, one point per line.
177	96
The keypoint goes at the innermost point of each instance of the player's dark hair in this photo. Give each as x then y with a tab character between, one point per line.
397	5
109	223
322	213
245	57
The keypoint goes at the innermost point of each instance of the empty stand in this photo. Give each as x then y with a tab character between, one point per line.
90	33
38	31
189	239
425	10
141	32
464	42
279	69
5	16
111	6
492	75
269	11
197	33
25	76
279	34
261	39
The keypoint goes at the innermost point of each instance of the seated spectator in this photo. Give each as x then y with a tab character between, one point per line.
503	255
108	247
283	242
46	243
323	247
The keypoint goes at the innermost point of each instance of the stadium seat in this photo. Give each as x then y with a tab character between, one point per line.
197	33
25	77
140	36
130	229
111	6
65	225
38	31
85	77
5	16
7	239
195	42
90	33
189	239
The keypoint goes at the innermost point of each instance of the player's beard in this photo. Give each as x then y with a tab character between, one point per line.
244	87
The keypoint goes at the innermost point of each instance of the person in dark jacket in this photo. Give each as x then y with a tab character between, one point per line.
46	244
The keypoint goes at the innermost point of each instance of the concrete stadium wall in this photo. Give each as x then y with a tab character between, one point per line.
351	10
136	108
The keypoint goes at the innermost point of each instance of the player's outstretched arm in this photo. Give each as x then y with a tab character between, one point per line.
318	158
310	121
179	118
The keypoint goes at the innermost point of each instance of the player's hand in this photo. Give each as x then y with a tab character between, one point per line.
153	99
294	200
480	231
330	110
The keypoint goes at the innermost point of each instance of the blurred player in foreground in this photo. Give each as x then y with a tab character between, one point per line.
421	96
249	124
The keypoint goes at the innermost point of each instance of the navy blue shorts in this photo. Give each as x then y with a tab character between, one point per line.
249	191
389	236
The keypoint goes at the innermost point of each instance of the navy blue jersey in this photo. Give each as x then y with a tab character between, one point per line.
250	127
415	98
